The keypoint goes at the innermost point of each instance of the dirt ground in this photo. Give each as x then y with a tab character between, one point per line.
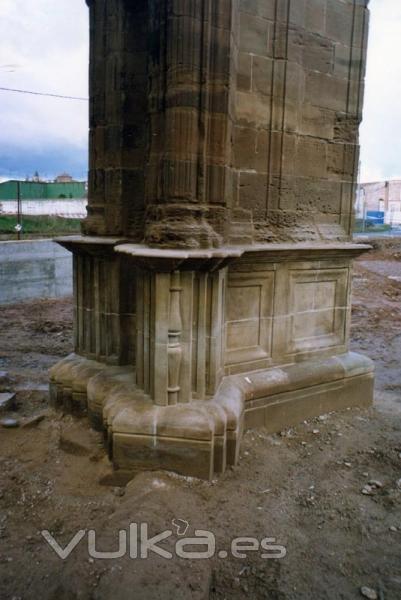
302	487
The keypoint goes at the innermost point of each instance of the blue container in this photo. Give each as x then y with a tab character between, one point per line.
375	216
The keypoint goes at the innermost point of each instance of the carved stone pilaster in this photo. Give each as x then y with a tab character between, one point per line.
179	323
174	349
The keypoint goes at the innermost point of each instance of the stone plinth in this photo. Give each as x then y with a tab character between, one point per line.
212	282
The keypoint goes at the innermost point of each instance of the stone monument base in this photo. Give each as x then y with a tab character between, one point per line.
178	351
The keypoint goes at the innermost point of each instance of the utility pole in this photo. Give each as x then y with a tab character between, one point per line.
19	210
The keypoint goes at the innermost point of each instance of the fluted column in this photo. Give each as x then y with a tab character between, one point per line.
187	184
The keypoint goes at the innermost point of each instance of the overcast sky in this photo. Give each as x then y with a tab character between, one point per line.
45	42
44	47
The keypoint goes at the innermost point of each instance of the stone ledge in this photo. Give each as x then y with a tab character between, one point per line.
167	259
276	380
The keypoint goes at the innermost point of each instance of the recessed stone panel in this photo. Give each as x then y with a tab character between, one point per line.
317	309
249	303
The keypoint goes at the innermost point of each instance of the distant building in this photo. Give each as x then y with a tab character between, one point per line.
64	178
41	190
383	196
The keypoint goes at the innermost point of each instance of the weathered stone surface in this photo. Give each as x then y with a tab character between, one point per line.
212	285
7	401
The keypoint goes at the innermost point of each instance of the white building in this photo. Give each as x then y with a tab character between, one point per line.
384	196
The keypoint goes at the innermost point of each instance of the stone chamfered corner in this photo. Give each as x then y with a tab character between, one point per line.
212	279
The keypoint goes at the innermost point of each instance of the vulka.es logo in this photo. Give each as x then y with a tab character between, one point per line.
137	544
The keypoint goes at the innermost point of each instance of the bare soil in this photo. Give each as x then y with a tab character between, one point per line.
302	487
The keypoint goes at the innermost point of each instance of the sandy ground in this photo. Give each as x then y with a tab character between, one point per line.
302	487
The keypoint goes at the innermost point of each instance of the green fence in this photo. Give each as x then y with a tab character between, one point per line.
32	190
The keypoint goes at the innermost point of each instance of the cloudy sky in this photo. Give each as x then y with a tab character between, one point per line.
44	47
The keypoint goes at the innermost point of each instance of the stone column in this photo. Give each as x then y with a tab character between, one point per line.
213	276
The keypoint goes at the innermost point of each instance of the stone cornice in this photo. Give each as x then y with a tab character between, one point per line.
165	260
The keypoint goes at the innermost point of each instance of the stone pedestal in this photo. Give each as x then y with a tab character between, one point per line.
212	281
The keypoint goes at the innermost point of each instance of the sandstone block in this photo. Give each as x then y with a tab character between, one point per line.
255	34
261	8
